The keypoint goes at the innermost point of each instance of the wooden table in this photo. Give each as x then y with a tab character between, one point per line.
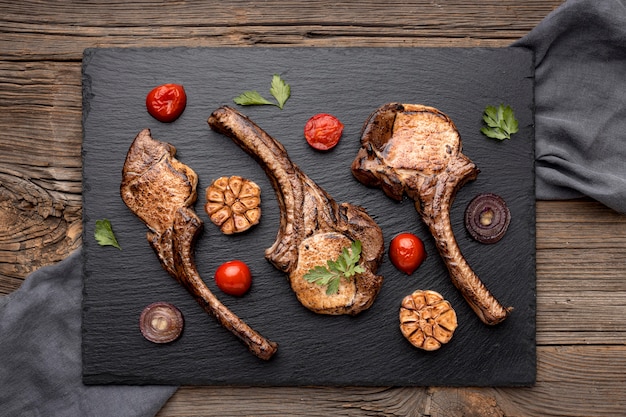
581	245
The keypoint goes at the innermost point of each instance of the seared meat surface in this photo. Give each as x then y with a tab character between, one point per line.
417	150
313	227
160	190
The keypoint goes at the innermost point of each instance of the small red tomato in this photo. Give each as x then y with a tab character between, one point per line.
233	277
323	131
166	102
407	252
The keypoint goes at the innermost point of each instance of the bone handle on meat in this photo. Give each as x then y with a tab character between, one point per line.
286	178
484	304
160	190
308	214
186	225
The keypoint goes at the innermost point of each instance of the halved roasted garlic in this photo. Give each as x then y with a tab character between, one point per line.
427	320
233	204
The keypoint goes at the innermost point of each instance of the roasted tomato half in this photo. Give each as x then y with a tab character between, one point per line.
166	102
233	277
407	252
323	131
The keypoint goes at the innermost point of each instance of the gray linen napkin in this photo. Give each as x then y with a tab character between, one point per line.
580	97
40	354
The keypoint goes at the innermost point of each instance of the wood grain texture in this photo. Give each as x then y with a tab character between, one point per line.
581	250
73	26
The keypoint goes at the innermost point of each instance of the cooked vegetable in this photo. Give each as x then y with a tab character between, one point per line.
427	320
166	102
501	122
279	89
233	277
104	235
161	322
487	218
407	252
323	131
345	266
233	204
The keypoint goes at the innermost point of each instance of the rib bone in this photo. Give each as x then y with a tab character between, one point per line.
313	227
415	149
160	191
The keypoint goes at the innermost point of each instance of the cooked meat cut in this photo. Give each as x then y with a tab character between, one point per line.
160	190
313	227
415	149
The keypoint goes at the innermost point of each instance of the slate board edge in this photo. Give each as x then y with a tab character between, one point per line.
89	379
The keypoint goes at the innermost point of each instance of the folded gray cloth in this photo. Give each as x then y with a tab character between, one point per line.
580	96
40	354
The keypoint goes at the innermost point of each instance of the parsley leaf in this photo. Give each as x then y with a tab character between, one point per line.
251	98
279	89
500	121
345	266
104	234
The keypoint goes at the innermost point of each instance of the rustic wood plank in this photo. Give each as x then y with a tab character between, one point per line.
581	317
560	385
40	111
581	259
71	27
556	222
40	166
41	227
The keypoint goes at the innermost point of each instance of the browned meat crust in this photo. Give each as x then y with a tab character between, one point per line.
160	191
313	227
415	149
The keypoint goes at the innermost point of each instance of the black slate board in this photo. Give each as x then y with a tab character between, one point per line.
314	349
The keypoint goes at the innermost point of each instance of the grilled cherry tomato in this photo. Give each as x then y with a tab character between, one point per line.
166	102
407	252
233	277
323	131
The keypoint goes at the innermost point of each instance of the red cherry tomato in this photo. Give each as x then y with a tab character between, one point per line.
407	252
166	102
323	131
233	277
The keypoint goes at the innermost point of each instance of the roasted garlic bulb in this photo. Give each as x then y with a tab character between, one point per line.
233	204
427	320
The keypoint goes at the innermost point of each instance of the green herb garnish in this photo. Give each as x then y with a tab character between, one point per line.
251	98
104	234
501	122
279	89
345	266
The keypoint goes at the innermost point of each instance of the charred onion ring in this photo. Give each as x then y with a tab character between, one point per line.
161	322
487	218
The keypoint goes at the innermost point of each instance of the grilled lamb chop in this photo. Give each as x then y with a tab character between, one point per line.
415	149
313	227
160	190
